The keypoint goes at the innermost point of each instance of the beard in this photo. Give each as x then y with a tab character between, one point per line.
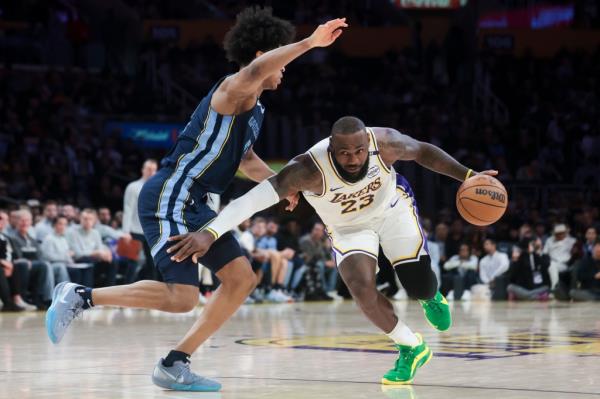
351	177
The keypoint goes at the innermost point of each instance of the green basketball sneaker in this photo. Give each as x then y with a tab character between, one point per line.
437	312
409	360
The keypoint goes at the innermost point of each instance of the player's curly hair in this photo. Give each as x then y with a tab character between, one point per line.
256	29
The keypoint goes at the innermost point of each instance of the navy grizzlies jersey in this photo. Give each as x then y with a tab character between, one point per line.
209	150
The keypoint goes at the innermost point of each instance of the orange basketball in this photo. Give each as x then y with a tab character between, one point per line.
481	200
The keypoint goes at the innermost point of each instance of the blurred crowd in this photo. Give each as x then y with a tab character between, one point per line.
41	246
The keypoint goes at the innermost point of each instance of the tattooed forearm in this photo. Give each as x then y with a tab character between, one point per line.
395	146
298	175
438	160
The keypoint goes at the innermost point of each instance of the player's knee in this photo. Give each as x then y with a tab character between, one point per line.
363	292
418	279
243	279
182	300
426	291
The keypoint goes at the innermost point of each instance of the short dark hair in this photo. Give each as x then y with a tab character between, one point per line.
56	219
347	125
256	29
50	202
491	240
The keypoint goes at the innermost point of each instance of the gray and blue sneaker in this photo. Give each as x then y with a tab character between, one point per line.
179	377
66	306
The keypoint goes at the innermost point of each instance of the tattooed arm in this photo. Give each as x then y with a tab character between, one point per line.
395	146
299	175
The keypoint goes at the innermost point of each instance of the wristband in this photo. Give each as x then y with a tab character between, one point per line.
469	173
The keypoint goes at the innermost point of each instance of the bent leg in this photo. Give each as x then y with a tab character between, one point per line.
358	272
237	282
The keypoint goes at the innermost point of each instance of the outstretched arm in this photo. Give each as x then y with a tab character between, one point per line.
250	77
395	146
298	175
254	167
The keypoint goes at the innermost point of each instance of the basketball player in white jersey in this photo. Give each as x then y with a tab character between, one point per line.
349	179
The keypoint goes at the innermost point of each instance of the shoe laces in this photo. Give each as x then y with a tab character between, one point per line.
406	353
433	304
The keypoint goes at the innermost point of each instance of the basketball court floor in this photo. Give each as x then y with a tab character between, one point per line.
311	350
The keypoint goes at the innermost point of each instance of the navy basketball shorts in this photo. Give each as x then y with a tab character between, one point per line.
167	208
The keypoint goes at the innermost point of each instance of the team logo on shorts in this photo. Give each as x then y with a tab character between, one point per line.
373	171
468	347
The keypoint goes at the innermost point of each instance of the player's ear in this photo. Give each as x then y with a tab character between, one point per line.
259	53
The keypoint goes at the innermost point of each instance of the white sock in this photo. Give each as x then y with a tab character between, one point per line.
402	335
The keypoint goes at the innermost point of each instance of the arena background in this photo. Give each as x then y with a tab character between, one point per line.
89	89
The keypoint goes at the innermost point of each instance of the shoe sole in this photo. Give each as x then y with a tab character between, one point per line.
385	381
51	313
184	387
192	388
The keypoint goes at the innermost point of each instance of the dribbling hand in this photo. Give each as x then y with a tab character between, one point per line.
327	33
194	244
489	172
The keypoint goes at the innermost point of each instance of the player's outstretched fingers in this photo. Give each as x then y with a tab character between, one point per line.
185	251
179	244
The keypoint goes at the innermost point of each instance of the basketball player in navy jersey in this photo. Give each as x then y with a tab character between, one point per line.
216	142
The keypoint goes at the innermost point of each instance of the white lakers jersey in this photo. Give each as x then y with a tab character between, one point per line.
343	203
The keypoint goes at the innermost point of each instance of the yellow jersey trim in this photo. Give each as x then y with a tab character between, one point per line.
322	174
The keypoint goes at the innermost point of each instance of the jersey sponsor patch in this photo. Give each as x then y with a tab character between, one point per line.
373	171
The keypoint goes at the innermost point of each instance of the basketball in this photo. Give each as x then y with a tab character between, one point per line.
481	200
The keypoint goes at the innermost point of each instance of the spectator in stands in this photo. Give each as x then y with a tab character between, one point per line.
6	271
44	226
257	256
86	243
131	220
441	235
107	232
588	276
8	268
317	258
55	248
492	268
460	274
591	238
28	263
289	238
558	248
433	247
70	213
104	216
243	234
125	252
277	265
455	238
540	231
528	276
3	220
13	219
